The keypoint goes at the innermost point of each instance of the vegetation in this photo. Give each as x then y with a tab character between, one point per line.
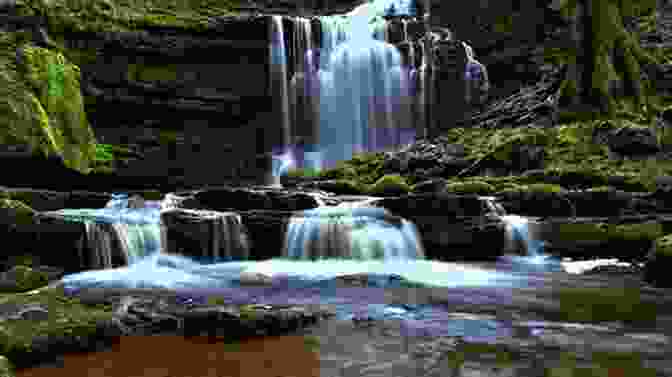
592	73
68	317
124	15
41	103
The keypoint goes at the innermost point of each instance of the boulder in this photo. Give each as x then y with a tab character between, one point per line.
244	199
207	235
267	230
633	141
87	199
39	200
451	226
659	260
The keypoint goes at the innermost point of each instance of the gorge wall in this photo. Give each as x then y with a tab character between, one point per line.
192	102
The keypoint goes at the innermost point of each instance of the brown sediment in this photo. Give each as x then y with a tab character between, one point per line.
173	356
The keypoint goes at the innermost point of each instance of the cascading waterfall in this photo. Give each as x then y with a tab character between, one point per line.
362	233
350	95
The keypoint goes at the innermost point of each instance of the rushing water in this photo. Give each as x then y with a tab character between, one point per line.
348	95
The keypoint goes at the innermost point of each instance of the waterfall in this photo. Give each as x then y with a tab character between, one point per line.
363	233
278	81
349	95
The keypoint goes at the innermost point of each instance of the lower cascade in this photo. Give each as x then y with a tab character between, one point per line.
362	233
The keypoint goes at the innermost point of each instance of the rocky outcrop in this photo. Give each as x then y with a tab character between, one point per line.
451	227
205	235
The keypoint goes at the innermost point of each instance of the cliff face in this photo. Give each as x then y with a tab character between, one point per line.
196	71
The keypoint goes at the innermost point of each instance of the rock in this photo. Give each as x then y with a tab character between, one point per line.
659	260
87	199
633	141
22	279
451	226
223	199
206	235
341	187
40	200
390	185
254	278
431	185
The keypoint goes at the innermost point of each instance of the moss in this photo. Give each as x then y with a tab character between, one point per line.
41	103
123	15
663	246
603	364
635	232
168	137
604	304
26	279
300	173
67	317
390	184
152	73
6	367
15	213
543	187
470	187
467	350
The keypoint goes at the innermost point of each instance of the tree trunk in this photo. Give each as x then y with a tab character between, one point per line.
605	62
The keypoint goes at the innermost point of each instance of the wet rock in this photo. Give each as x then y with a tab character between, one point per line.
254	278
22	279
207	235
450	224
432	185
87	199
659	258
243	199
633	141
40	200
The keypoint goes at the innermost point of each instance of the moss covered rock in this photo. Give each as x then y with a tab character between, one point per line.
470	187
389	184
41	103
22	279
16	213
124	15
6	368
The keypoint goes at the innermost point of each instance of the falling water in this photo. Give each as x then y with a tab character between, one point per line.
362	233
278	79
352	93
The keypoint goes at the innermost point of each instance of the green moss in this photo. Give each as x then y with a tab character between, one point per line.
543	187
390	184
6	368
635	232
152	73
300	173
604	304
476	350
67	317
168	137
124	15
603	364
26	279
664	246
470	187
15	213
41	104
